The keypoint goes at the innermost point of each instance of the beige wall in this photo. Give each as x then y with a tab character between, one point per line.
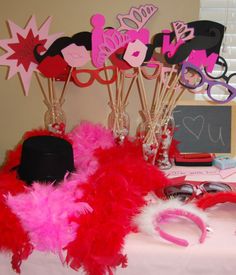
19	113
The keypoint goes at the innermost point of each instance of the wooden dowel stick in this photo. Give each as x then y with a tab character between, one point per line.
163	91
117	85
42	89
62	97
139	92
54	96
143	94
129	89
156	94
50	89
110	92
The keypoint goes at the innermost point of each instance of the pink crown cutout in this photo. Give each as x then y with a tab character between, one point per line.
182	31
105	43
136	18
113	40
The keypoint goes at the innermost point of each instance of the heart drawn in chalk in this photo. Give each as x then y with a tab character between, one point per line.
194	125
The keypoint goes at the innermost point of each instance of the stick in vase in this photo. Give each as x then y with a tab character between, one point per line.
62	97
46	101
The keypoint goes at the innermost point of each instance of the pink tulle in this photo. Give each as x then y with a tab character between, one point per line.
45	212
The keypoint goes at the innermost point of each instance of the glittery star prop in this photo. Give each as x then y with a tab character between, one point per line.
19	49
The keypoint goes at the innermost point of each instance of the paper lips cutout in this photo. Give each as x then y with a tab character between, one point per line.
135	53
75	56
53	66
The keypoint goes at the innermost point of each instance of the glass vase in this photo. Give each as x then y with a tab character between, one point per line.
119	123
55	118
148	132
163	160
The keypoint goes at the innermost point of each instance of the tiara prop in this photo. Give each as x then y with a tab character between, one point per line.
136	18
182	31
105	43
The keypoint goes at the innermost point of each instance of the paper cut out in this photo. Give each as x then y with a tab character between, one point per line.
182	31
117	59
135	53
142	35
19	49
75	56
79	39
168	47
98	23
53	66
227	172
208	35
105	43
98	74
136	18
199	58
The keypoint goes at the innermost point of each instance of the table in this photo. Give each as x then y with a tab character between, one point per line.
149	256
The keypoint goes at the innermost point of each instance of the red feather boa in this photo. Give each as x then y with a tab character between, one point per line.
13	238
209	200
116	192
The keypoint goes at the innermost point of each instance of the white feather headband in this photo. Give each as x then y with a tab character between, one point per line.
153	215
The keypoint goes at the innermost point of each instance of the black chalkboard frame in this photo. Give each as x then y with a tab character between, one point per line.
203	128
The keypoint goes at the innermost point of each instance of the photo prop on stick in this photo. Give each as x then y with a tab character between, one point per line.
79	39
182	31
105	43
20	47
136	18
53	66
208	36
135	53
77	76
76	56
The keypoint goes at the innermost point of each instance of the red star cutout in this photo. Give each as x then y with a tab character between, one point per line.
24	49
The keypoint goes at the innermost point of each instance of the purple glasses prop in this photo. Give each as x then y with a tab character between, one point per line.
192	77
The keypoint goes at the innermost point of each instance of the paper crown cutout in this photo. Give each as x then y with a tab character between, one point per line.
105	43
182	31
136	18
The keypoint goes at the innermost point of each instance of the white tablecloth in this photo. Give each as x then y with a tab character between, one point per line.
149	256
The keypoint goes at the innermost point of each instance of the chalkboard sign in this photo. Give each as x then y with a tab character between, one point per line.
203	128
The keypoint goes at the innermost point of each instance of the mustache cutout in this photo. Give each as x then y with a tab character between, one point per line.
80	39
197	43
208	36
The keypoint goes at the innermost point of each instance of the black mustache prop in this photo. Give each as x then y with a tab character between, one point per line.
80	39
208	36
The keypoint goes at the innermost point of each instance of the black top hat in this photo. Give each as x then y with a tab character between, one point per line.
45	159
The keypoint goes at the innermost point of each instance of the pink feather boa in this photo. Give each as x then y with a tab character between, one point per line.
88	137
45	213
